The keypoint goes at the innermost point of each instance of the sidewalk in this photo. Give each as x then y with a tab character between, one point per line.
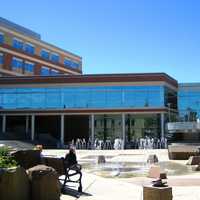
103	189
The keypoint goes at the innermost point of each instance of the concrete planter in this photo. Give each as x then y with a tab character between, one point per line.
44	183
14	184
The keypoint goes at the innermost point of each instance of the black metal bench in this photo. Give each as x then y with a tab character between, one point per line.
72	171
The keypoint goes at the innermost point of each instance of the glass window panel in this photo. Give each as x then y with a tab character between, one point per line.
18	44
1	38
53	98
38	98
55	58
16	63
29	67
9	98
114	98
44	54
54	72
29	48
45	71
70	63
23	98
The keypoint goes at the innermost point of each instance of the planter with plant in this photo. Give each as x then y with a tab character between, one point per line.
14	182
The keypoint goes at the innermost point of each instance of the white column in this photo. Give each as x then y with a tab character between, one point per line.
32	127
62	125
162	125
123	130
27	123
4	124
92	130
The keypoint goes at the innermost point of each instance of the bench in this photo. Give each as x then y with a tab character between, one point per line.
62	167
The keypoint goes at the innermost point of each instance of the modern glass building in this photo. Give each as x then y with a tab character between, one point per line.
128	106
189	101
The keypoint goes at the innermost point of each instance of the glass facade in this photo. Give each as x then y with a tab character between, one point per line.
72	64
55	58
108	127
29	48
44	54
1	38
82	96
18	44
189	102
140	126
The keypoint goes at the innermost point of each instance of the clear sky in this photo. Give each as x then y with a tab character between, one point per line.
118	36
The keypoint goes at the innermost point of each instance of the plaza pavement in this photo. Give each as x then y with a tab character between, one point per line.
184	187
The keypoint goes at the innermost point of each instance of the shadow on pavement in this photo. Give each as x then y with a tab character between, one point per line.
74	193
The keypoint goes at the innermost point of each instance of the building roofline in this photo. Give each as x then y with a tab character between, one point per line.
90	78
189	84
32	34
21	29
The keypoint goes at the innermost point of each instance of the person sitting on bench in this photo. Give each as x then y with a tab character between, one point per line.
72	168
71	160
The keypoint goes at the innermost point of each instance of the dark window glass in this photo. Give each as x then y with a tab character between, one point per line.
54	72
16	63
55	58
45	71
44	54
1	38
18	44
29	67
29	48
70	63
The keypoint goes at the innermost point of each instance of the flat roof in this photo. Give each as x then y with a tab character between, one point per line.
90	78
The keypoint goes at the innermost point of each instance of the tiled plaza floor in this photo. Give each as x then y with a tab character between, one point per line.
184	187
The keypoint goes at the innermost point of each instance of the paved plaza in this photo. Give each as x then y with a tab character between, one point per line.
185	186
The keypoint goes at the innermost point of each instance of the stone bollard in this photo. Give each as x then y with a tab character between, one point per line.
157	193
44	183
194	160
101	159
14	184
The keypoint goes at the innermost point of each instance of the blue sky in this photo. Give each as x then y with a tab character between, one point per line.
119	36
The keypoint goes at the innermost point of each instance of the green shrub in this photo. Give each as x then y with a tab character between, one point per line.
5	159
4	151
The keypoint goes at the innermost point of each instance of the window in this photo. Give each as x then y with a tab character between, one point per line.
70	63
44	54
1	38
55	57
54	72
17	63
17	43
29	48
1	58
29	67
45	71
